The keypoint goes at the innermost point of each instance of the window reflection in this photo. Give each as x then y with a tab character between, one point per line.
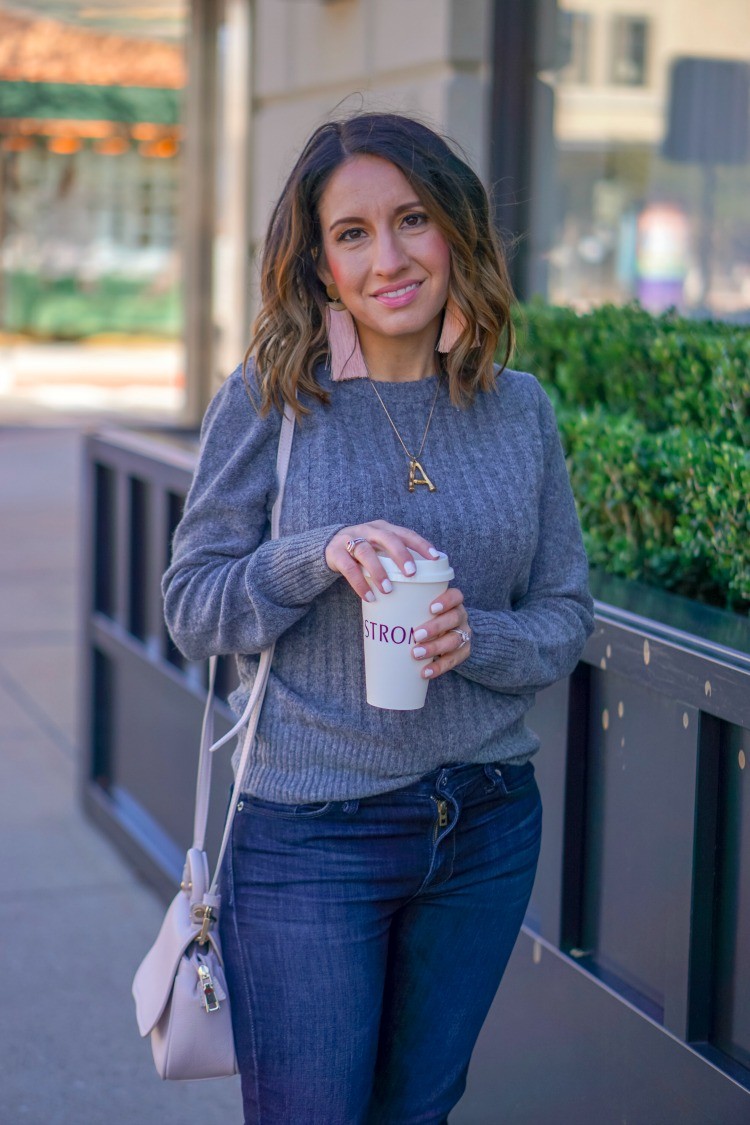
574	47
90	153
649	156
629	51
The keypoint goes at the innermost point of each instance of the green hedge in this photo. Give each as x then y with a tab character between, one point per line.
655	418
66	309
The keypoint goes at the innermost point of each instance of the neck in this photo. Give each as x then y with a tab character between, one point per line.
399	359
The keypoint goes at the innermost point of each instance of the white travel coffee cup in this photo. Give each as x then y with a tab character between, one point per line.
393	677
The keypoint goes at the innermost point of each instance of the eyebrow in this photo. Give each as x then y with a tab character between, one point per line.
412	205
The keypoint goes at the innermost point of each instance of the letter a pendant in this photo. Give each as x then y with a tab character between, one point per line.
414	467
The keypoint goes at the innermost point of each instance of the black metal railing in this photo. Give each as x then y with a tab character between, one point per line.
141	700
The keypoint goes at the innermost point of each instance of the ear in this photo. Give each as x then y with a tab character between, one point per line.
324	273
322	270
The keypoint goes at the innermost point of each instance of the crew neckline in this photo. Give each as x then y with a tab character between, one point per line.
402	382
428	381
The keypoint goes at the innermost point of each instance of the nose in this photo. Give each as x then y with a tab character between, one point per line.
390	257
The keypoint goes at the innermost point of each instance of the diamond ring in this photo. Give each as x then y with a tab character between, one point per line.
352	544
465	637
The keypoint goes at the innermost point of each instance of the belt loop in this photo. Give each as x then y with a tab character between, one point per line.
495	774
350	806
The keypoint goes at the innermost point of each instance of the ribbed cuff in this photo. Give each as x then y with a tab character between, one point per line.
292	571
492	649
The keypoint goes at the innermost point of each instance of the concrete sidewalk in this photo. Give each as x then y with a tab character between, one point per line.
141	379
76	920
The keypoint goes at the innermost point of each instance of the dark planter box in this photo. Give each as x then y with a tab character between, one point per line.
626	997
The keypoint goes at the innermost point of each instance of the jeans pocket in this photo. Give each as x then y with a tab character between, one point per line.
249	802
517	777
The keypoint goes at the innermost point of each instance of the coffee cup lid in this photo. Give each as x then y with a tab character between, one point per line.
428	570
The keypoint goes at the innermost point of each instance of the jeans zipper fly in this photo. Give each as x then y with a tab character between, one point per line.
442	820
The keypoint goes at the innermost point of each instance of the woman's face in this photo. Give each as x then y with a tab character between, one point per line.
389	260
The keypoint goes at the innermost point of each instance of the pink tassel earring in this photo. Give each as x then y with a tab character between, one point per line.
347	361
454	323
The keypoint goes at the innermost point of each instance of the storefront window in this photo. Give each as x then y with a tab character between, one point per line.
646	176
91	139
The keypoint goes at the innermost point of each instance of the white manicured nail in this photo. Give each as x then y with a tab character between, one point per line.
435	554
410	568
369	596
386	585
419	652
420	635
436	607
427	673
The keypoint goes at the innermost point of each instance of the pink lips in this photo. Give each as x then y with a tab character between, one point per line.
397	302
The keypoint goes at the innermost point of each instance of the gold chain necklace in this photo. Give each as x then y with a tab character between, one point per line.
414	464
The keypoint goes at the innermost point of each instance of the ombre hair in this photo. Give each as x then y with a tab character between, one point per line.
289	335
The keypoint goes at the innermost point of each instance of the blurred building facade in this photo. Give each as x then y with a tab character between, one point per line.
90	137
90	128
642	107
143	146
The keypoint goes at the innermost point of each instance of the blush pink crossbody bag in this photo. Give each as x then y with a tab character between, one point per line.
180	989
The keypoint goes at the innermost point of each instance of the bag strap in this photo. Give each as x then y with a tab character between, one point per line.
251	713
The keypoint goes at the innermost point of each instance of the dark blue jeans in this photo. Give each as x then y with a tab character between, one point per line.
364	942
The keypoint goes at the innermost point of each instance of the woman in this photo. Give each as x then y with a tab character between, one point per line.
381	861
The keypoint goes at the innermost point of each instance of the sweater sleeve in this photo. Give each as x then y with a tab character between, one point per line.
229	587
539	639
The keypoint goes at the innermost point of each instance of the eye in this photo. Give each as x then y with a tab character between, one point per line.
351	234
415	219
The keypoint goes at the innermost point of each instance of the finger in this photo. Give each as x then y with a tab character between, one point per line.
375	538
367	557
421	545
410	538
350	569
432	632
446	663
449	599
392	544
445	647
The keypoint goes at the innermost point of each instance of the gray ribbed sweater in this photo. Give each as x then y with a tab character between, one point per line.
504	513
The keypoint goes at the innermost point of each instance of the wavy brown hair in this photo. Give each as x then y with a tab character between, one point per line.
289	336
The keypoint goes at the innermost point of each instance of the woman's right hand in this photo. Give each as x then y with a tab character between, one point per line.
381	538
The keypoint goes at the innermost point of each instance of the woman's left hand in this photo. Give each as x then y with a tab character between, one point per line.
439	646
